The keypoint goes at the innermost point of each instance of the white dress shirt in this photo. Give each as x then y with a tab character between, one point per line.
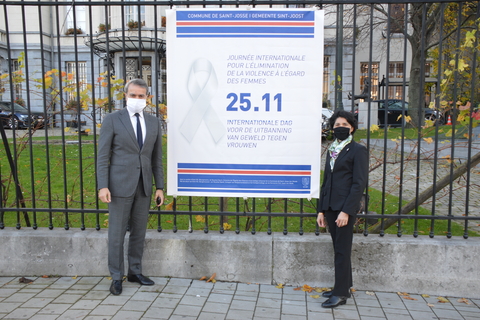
133	119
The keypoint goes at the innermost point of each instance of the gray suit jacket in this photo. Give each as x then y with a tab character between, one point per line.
120	160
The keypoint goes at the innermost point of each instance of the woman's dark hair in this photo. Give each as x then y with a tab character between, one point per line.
344	114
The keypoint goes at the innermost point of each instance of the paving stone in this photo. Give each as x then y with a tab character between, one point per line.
370	312
241	297
422	315
220	298
193	300
68	298
242	305
185	310
239	314
127	315
145	296
166	302
342	313
22	313
19	297
367	302
211	316
269	303
39	316
174	289
136	306
9	306
55	308
105	310
248	287
215	307
447	314
73	315
86	304
158	313
267	312
37	302
294	309
50	293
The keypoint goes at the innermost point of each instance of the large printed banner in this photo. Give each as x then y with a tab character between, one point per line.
244	102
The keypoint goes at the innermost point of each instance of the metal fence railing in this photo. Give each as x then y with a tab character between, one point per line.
415	63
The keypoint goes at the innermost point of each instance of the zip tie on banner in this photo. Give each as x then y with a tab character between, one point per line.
309	199
174	8
249	7
245	198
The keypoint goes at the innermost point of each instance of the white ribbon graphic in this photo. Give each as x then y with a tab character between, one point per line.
202	84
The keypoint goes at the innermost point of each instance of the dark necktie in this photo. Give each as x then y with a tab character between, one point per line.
139	131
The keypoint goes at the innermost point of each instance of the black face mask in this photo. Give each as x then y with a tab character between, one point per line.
341	133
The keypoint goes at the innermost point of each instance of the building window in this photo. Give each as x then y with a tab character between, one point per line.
80	21
18	86
139	69
395	70
326	76
131	14
364	75
80	69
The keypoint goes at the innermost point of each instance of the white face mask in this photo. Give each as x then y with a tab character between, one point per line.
136	105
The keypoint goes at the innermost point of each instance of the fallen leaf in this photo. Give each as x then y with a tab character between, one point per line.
212	277
75	277
463	300
322	289
315	296
353	290
169	206
214	281
280	286
25	280
307	288
203	278
402	294
409	298
297	289
370	293
442	300
430	305
45	276
425	296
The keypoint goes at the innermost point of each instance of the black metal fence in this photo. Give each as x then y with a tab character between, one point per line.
408	70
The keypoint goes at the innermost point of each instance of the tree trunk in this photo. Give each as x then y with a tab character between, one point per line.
427	194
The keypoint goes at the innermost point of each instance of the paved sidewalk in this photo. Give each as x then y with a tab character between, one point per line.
173	298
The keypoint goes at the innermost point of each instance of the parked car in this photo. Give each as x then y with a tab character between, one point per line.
394	111
19	118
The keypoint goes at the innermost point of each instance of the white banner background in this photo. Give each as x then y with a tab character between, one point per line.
222	141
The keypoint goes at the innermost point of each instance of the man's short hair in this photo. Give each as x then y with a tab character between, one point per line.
137	82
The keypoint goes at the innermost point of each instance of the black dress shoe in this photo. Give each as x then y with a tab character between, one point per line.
116	287
144	281
328	294
334	301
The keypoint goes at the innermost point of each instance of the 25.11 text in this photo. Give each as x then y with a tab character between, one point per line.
242	102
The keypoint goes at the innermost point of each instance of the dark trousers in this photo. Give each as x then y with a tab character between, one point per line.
133	212
342	245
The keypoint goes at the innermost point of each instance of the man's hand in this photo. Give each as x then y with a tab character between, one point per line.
321	220
342	219
159	195
104	195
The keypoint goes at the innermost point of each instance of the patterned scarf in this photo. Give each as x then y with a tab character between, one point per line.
336	147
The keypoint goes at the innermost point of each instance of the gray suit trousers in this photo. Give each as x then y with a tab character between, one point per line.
133	212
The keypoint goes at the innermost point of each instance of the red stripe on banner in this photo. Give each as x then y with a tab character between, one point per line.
243	23
299	173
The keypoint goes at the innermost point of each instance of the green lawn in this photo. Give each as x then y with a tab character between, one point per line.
72	184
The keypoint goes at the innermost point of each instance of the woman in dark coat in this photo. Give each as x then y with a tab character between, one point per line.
345	179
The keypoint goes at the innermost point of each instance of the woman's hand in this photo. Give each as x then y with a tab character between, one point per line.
342	219
321	220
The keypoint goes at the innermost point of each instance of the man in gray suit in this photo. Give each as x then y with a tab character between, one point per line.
129	155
